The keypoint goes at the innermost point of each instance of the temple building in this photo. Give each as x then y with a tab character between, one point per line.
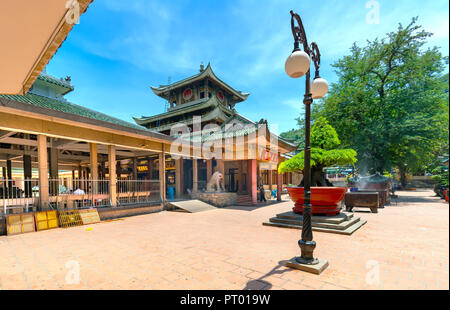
55	154
211	101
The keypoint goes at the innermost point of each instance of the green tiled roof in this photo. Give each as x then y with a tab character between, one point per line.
53	80
67	107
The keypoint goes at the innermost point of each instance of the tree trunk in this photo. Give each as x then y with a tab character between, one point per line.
403	180
318	178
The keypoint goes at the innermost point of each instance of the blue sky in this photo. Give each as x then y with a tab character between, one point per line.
120	48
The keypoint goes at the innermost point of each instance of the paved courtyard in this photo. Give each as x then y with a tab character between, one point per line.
405	246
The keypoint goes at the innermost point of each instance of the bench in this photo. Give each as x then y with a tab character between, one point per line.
362	200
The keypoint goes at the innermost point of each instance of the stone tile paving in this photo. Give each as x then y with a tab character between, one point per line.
405	246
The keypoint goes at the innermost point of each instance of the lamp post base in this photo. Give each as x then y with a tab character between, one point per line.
298	263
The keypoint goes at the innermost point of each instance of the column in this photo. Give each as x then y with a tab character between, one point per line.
252	179
94	166
195	175
112	175
43	171
162	175
209	171
27	175
9	177
279	180
221	166
241	185
178	175
270	172
135	169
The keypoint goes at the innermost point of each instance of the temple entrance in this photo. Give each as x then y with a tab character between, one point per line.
187	176
232	180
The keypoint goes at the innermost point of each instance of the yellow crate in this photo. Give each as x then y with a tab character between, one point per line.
46	220
20	223
70	218
90	216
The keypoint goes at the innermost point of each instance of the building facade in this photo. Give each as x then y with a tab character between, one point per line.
202	108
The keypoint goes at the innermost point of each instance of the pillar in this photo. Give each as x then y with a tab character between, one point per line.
162	175
112	175
279	181
93	151
209	171
135	169
240	182
252	180
43	172
9	177
178	176
221	166
93	160
195	175
27	175
53	165
270	173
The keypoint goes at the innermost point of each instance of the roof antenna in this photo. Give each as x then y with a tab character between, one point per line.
166	108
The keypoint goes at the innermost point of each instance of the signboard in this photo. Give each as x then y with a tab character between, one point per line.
170	165
266	155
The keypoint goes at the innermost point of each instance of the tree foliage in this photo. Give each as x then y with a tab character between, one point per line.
324	141
390	102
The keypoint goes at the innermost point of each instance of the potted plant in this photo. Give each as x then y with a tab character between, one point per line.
325	198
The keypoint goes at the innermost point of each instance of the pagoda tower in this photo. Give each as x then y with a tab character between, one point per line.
203	94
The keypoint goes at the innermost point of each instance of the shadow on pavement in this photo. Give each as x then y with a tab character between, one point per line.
260	284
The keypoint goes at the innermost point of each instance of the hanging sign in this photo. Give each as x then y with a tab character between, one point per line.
266	155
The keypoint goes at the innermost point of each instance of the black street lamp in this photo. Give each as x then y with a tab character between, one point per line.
297	65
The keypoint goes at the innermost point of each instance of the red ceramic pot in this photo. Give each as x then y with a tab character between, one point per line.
324	200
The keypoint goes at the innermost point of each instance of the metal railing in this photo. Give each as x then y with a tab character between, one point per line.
131	192
23	195
18	196
79	194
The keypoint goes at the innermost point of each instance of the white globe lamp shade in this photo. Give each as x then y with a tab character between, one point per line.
297	64
319	88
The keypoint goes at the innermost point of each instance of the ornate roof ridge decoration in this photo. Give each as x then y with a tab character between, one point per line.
162	90
55	81
57	39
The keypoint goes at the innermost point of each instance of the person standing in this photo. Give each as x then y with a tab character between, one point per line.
262	196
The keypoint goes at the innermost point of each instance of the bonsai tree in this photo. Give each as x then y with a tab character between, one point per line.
324	153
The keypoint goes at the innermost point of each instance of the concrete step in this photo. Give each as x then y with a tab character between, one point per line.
340	226
342	217
244	200
348	231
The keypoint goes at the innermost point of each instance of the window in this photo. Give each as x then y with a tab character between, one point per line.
265	177
202	95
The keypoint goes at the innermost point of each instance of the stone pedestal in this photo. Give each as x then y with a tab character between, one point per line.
343	223
316	268
217	199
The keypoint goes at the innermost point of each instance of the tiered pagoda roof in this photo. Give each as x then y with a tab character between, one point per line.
164	90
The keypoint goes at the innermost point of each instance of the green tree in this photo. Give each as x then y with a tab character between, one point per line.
297	136
390	102
324	153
